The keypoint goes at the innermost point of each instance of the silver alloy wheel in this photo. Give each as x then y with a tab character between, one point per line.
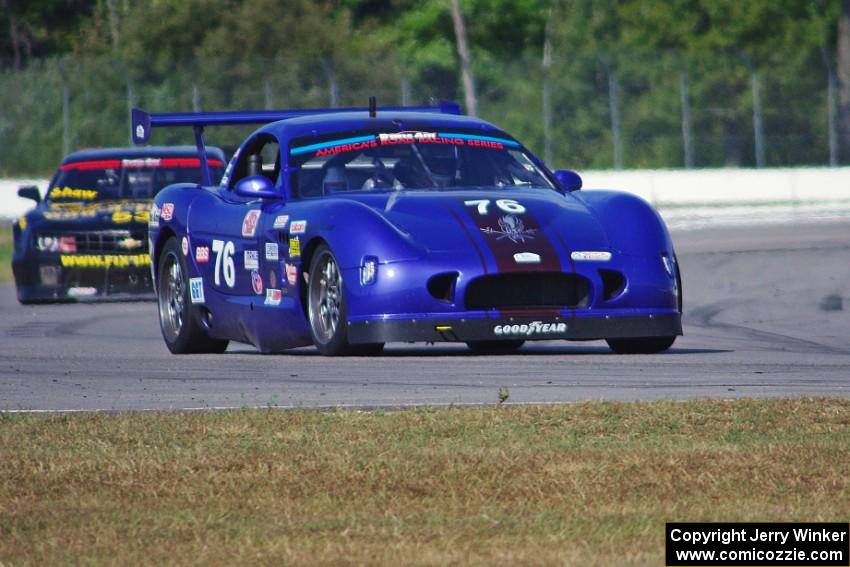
172	297
325	298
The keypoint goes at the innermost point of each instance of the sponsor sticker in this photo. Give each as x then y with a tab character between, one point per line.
291	274
167	211
153	220
196	290
81	291
141	162
271	250
67	244
535	328
249	223
273	296
527	258
406	137
295	247
72	193
597	256
251	259
184	244
202	254
140	131
257	282
298	227
280	221
105	261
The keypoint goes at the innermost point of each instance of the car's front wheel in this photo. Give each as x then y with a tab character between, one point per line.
641	345
181	330
327	310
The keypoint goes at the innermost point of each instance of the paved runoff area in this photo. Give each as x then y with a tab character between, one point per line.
767	313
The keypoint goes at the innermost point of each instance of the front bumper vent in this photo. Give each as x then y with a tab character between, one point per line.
442	286
527	291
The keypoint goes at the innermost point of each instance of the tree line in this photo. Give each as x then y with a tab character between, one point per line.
585	83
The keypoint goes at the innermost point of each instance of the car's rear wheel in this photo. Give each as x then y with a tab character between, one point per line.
494	347
327	310
180	327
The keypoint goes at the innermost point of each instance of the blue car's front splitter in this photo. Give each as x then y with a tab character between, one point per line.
519	327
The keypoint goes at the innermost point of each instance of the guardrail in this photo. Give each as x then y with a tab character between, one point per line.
696	198
688	198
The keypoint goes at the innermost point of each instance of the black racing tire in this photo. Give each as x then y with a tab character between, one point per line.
178	319
327	310
494	347
641	345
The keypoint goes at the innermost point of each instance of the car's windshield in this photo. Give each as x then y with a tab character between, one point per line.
378	161
99	180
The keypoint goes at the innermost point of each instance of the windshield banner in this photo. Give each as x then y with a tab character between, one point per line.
360	143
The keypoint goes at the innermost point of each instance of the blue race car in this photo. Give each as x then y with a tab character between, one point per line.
88	238
351	228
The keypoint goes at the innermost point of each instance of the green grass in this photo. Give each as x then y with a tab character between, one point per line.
586	484
5	252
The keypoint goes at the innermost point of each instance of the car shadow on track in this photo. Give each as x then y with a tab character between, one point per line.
400	350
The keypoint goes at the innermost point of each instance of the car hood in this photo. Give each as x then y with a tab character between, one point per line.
92	215
462	221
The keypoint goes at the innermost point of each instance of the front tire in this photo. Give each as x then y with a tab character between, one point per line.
179	324
641	345
327	310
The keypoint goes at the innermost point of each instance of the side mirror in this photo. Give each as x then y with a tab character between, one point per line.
569	180
30	192
256	187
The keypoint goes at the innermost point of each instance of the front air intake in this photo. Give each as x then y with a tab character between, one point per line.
613	284
442	286
527	291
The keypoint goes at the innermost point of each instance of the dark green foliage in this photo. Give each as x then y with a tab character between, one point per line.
224	54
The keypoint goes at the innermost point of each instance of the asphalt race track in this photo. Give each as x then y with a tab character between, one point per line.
767	313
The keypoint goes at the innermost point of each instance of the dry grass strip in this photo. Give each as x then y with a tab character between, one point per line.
585	484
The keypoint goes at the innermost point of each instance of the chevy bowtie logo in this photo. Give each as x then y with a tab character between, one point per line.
130	243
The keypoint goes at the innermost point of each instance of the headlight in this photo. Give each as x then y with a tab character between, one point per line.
368	270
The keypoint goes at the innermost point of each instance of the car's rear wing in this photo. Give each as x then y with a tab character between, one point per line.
142	122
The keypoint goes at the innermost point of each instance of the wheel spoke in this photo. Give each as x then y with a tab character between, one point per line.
325	298
172	297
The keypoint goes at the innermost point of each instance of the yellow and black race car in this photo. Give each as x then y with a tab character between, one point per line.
88	237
